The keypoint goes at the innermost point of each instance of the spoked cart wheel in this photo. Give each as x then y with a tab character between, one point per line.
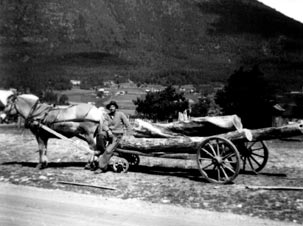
218	160
133	159
254	155
120	165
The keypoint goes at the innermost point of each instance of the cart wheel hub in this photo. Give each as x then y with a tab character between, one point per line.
218	160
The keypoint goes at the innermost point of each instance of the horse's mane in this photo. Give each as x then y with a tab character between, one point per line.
30	97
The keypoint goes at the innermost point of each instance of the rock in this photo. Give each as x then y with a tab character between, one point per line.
43	177
165	200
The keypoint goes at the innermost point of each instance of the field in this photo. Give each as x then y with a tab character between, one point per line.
79	95
167	181
124	101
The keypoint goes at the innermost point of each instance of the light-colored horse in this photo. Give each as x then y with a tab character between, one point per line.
79	121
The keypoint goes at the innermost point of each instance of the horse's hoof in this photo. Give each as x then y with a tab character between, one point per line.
45	164
91	166
87	166
39	166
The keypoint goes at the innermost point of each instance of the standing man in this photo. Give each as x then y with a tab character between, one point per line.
111	133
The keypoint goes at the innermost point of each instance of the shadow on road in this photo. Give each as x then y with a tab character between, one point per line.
192	174
50	164
263	174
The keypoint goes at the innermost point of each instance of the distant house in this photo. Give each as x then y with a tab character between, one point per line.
75	82
104	91
185	88
109	83
121	93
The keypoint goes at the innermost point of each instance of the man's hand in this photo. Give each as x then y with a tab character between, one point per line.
110	134
35	123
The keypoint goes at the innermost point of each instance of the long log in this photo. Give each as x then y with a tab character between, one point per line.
146	129
277	132
183	144
202	126
179	144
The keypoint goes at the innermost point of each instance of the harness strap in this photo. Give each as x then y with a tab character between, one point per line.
43	120
30	115
74	120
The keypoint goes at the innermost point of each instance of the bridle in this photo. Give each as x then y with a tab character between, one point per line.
11	104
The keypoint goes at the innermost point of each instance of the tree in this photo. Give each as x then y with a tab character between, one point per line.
201	107
206	106
163	105
248	95
49	97
100	94
63	100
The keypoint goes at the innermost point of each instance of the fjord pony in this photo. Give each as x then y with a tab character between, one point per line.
79	121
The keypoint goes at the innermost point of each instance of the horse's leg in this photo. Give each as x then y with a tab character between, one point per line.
42	145
44	156
92	161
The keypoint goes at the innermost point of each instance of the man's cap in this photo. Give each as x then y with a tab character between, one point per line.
112	103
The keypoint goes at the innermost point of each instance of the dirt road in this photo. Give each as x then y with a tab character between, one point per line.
24	205
167	182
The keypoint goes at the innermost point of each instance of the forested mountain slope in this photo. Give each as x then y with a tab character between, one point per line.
198	40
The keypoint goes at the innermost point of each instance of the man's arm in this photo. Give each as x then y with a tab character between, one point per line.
104	125
126	123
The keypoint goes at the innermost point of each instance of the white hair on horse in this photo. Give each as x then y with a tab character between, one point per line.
4	94
30	97
102	110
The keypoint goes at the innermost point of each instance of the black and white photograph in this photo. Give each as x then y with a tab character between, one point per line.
151	112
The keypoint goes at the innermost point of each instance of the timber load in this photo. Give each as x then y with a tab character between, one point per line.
201	126
219	145
181	144
169	137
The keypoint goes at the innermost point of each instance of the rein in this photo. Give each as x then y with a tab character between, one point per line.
29	118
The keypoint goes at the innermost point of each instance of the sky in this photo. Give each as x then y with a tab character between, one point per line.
290	8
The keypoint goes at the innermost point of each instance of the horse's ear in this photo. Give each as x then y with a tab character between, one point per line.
12	97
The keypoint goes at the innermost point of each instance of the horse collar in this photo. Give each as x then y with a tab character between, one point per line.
32	110
28	119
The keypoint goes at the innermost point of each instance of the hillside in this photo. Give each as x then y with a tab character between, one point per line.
208	39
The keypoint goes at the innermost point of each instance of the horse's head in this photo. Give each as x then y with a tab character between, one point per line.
10	107
22	104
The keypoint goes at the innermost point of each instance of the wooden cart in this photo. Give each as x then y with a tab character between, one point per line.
219	157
